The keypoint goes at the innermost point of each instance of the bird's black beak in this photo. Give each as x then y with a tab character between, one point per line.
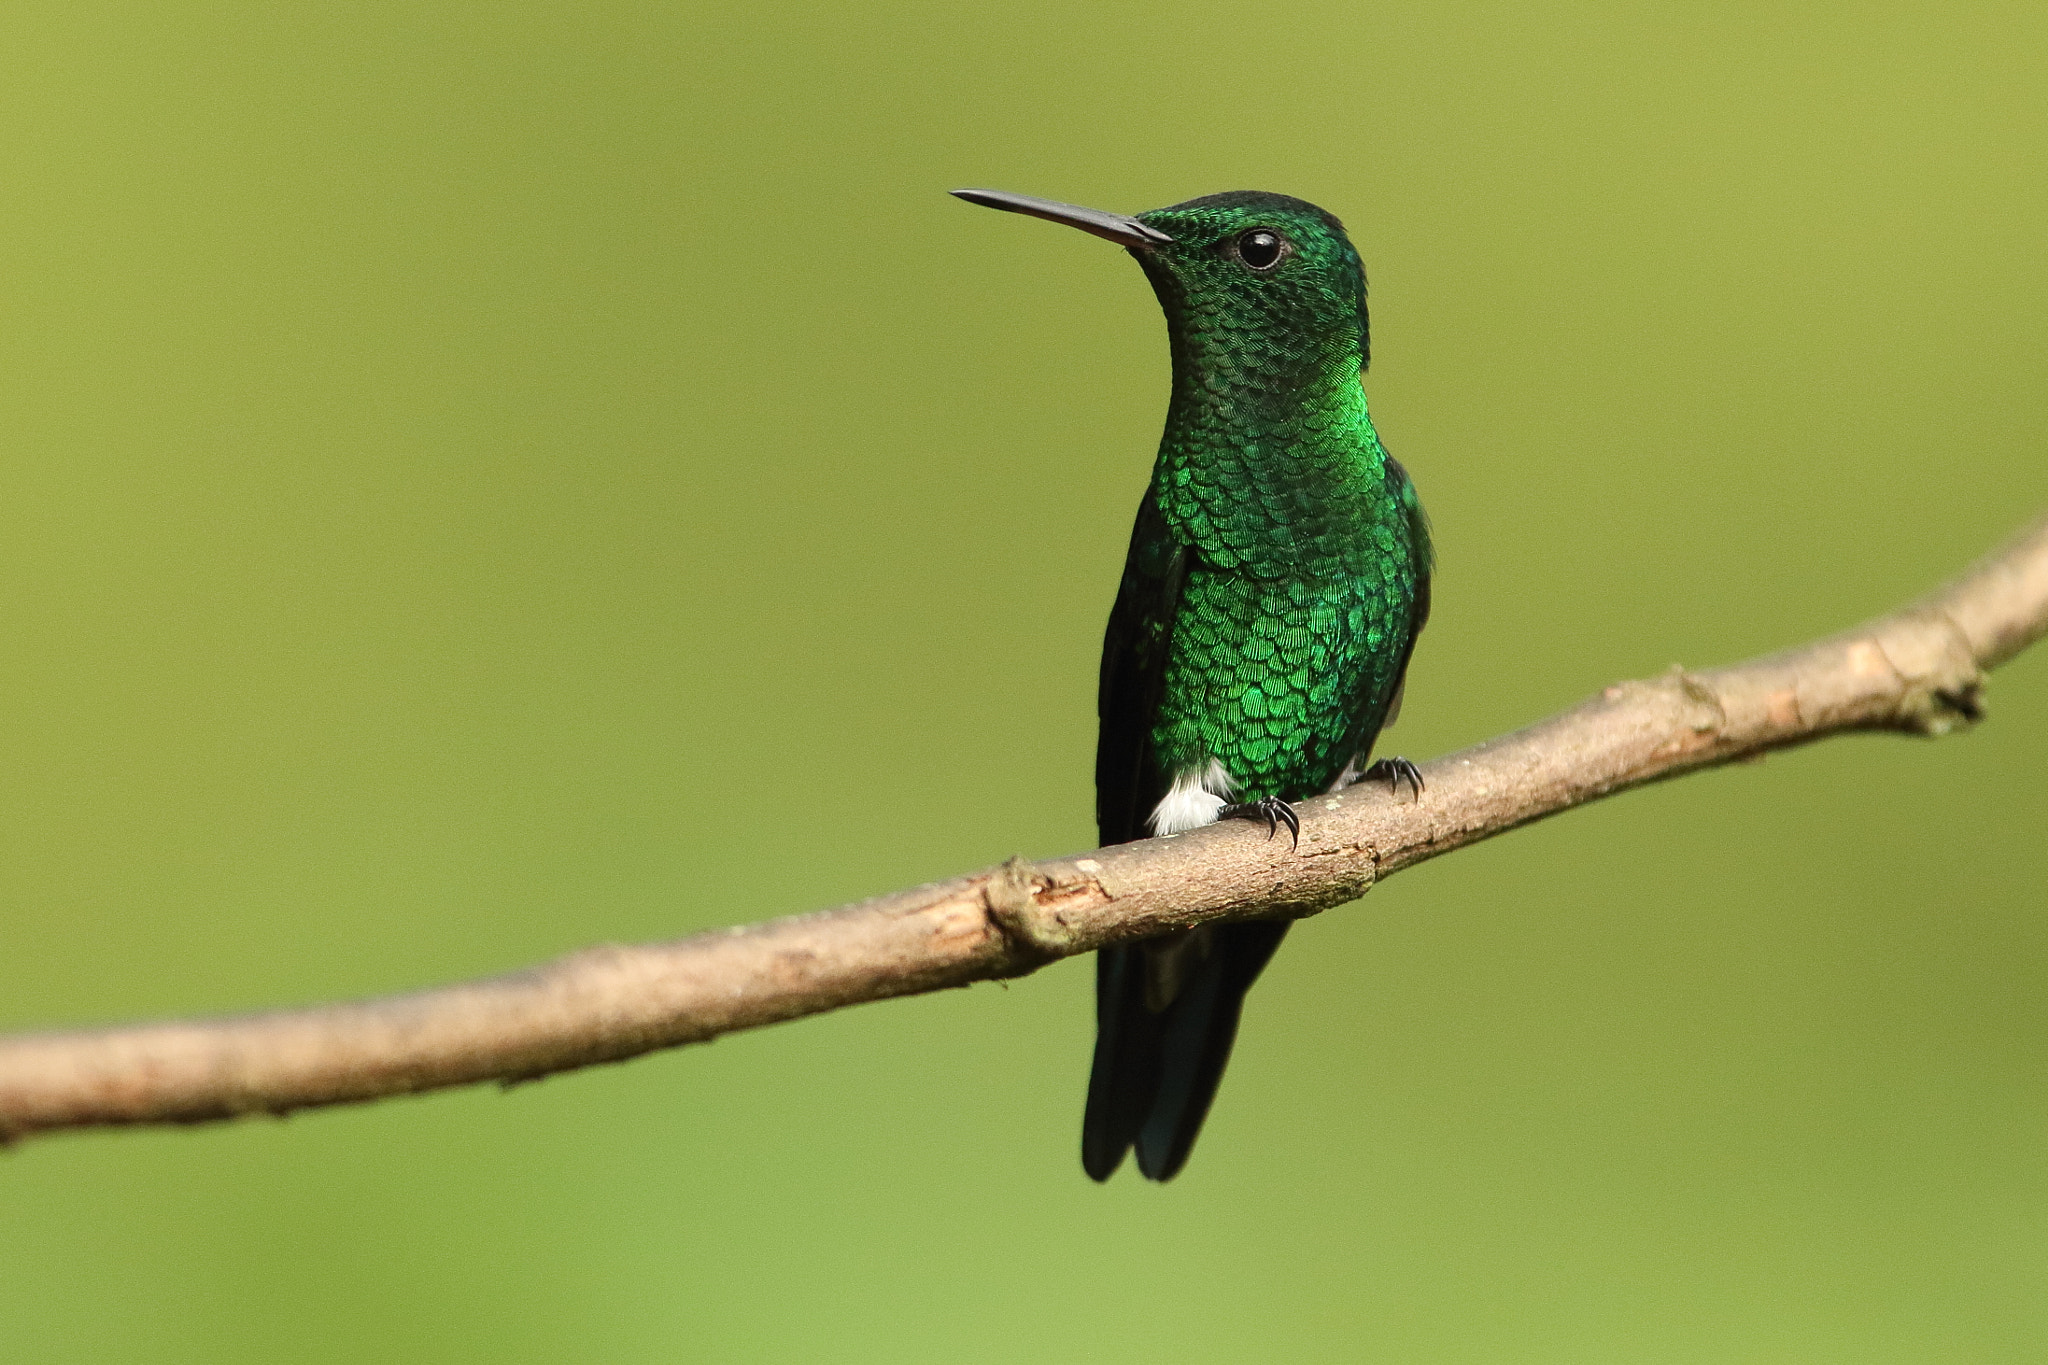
1114	226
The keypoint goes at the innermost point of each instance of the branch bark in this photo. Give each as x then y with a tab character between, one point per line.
1919	670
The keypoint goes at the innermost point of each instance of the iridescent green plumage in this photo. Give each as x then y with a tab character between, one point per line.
1307	548
1277	578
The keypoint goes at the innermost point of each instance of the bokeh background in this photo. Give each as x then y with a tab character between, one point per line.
485	479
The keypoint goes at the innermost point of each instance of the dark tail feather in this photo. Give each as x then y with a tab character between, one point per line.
1127	1039
1156	1073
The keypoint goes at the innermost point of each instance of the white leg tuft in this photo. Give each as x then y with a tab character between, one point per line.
1193	800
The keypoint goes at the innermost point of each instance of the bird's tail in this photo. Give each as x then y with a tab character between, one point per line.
1166	1014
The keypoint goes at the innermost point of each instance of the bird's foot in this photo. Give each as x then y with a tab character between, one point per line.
1272	810
1393	772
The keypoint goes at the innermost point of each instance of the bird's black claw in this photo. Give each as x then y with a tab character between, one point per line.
1393	772
1272	810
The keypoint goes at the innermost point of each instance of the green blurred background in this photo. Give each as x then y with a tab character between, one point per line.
485	479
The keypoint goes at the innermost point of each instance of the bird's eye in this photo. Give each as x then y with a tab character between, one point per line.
1260	249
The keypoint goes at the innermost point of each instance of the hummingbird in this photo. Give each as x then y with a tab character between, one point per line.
1277	579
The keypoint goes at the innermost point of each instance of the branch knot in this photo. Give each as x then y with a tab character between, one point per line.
1036	934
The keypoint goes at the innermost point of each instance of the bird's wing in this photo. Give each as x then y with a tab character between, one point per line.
1422	562
1130	1036
1128	781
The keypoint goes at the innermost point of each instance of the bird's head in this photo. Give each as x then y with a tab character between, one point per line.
1262	275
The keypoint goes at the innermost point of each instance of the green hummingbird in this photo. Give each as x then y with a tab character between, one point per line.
1277	579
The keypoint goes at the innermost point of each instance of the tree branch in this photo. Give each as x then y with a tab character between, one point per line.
1918	670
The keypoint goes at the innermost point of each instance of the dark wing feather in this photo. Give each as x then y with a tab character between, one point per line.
1128	784
1422	559
1135	647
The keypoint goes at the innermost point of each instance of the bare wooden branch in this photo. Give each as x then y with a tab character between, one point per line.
1919	670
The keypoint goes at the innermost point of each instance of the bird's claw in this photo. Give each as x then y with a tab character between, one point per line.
1272	810
1393	772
